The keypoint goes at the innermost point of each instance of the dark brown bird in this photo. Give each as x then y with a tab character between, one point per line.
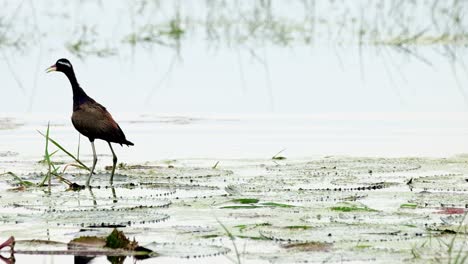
90	118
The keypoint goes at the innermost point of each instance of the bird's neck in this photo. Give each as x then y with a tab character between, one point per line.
79	95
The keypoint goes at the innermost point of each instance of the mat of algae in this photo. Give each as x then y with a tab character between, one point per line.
329	209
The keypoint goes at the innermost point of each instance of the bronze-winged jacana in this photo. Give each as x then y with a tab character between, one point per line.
90	118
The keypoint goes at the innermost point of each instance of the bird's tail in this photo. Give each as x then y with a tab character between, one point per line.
128	143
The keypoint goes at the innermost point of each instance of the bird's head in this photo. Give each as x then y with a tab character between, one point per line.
62	65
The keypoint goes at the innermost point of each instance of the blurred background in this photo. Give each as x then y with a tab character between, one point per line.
366	77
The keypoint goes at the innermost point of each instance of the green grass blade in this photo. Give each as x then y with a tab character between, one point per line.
232	238
46	157
65	151
51	154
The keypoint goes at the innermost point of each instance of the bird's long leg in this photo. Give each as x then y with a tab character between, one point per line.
114	163
94	164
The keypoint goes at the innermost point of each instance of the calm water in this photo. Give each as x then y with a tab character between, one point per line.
303	58
161	137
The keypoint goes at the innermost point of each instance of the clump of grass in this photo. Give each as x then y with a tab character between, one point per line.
53	170
168	34
81	164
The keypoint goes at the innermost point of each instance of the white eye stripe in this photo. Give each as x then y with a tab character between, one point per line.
65	63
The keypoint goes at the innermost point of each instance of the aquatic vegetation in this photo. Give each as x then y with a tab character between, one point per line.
347	207
277	156
85	44
409	206
117	239
53	170
245	200
309	246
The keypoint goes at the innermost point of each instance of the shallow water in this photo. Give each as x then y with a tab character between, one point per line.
328	208
168	137
342	207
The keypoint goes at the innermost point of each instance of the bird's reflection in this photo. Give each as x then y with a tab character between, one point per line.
83	259
92	196
114	195
9	260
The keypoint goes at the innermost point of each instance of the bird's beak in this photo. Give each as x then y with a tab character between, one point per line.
51	69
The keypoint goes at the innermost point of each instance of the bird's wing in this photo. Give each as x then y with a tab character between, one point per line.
93	120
